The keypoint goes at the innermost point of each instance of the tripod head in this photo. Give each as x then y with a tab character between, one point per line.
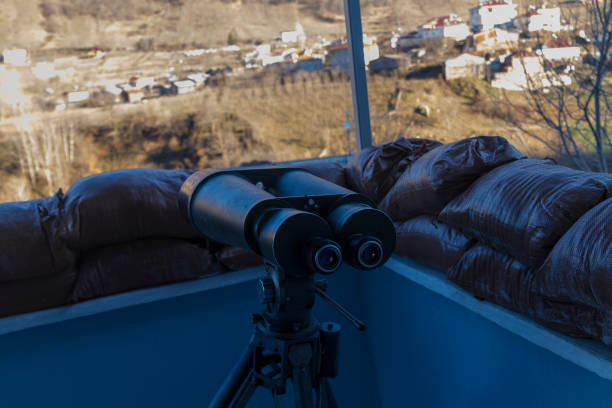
301	224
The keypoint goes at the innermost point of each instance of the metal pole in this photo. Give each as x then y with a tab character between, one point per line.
359	86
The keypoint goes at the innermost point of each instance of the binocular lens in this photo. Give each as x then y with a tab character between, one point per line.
327	258
369	254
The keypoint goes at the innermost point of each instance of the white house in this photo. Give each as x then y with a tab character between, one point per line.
182	87
449	26
541	19
77	96
559	52
492	39
465	65
491	13
339	59
198	78
526	71
16	57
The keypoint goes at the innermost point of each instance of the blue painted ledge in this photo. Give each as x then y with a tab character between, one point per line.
589	355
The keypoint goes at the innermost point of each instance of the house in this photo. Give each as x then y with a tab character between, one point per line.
17	57
338	55
408	40
199	78
540	19
492	40
76	96
142	82
559	51
383	65
306	64
525	70
132	95
183	86
449	26
491	13
465	65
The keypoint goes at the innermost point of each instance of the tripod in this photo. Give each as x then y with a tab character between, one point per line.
288	343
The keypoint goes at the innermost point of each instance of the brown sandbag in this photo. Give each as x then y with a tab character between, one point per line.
438	176
30	295
235	259
524	207
328	170
579	267
29	240
374	171
430	242
141	264
125	205
503	280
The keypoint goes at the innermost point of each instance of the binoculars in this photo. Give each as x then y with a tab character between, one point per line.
294	219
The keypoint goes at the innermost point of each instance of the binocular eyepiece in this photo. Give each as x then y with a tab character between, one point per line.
298	221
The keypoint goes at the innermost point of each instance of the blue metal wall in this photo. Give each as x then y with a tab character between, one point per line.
431	352
420	350
173	353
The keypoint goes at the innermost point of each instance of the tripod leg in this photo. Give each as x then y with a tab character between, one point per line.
327	396
300	356
245	393
234	381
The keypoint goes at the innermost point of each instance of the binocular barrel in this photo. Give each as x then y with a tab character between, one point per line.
366	234
228	208
298	221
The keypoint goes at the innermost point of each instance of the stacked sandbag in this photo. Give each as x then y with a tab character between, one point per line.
328	170
524	207
36	269
140	264
124	206
519	212
501	279
435	178
376	169
430	242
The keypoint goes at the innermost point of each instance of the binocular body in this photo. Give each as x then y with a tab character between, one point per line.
294	219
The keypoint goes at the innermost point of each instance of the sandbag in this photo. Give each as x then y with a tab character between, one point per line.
503	280
430	242
235	259
429	183
524	207
328	170
125	205
140	264
30	295
579	267
29	240
374	171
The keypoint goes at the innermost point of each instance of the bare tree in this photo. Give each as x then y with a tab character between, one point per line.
571	97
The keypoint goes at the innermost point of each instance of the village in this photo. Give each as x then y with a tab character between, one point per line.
513	51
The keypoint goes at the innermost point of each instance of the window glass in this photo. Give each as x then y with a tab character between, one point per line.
90	86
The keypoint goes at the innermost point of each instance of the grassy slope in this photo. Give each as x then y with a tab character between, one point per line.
121	23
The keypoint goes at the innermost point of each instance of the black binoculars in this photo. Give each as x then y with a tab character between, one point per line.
296	220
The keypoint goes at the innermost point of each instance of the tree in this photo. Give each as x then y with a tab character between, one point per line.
572	97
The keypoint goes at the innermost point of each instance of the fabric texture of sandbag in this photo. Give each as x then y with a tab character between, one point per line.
374	170
328	170
501	279
29	244
429	183
235	259
523	208
125	205
430	242
141	264
29	295
580	265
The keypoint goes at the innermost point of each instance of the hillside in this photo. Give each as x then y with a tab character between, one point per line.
123	23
